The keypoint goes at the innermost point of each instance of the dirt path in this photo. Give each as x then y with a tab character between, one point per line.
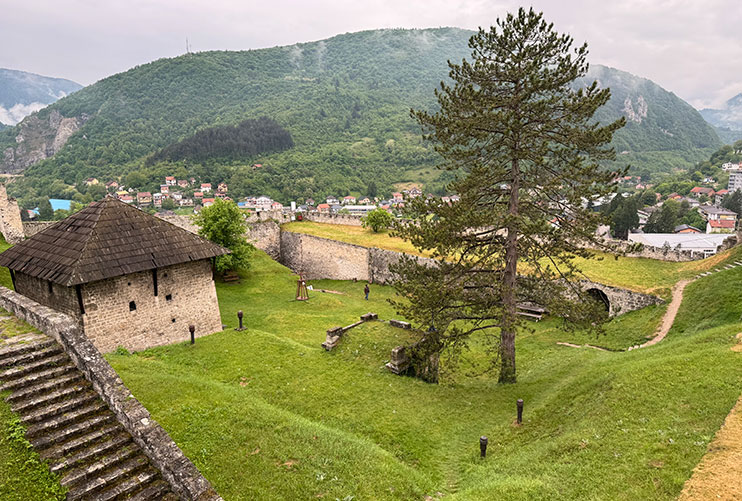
669	317
719	474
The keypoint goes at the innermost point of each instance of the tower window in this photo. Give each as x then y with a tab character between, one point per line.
169	297
132	306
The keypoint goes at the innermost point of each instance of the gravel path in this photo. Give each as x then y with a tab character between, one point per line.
669	317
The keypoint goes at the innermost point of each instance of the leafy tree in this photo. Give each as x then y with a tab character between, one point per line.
224	224
371	190
625	217
528	149
664	220
377	220
733	202
46	213
168	204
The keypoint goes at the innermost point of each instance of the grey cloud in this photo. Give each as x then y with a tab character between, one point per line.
688	47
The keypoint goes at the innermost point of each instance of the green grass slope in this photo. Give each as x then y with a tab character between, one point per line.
266	413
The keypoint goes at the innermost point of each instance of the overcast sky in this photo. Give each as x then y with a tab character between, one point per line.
692	47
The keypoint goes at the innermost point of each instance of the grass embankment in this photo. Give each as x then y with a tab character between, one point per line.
23	476
643	275
267	414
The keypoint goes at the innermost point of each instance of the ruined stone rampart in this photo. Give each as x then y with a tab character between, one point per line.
345	219
31	228
318	258
321	258
183	477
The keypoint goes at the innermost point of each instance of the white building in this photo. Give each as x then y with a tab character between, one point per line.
706	244
735	179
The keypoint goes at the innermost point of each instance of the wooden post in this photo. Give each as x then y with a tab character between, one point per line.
192	330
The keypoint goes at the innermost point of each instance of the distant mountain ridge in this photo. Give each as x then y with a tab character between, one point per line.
344	100
727	120
22	93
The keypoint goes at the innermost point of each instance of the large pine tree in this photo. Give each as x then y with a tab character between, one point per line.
526	151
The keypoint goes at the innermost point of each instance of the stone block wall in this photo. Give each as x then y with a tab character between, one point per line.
186	295
183	477
56	296
185	222
345	219
31	228
319	258
266	236
11	225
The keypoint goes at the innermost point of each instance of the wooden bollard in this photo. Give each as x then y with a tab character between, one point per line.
192	330
519	404
239	317
483	446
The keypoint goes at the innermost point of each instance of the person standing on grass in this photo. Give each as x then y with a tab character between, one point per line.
366	290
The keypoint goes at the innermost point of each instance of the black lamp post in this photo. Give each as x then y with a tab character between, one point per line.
192	330
239	316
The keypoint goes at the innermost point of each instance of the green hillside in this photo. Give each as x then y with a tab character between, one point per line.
345	101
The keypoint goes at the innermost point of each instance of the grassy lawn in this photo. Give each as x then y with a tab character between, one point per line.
268	414
643	275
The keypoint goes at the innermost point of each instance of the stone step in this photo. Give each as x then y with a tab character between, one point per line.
30	356
90	439
69	432
158	490
114	477
124	489
14	349
29	392
27	405
101	464
38	377
89	453
61	407
37	366
64	420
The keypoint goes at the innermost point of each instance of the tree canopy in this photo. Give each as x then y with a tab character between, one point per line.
524	141
223	223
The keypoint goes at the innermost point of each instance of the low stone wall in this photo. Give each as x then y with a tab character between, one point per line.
658	253
183	477
346	219
185	222
31	228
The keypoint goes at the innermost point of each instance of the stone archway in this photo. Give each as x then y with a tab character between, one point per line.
601	297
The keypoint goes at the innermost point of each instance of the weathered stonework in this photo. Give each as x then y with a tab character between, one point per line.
266	236
344	219
183	477
185	295
317	257
31	228
11	225
621	300
322	258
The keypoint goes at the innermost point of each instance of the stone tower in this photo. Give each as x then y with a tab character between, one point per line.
11	226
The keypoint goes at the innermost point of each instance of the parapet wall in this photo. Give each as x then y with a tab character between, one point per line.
346	219
183	477
31	228
319	258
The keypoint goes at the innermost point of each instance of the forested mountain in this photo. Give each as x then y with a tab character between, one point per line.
345	101
22	93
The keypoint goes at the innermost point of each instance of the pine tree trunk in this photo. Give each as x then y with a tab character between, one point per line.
509	293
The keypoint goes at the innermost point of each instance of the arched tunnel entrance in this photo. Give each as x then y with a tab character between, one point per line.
600	297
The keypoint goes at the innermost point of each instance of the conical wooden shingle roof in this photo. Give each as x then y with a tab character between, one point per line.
104	240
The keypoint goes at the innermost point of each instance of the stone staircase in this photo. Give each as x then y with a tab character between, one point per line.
71	427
